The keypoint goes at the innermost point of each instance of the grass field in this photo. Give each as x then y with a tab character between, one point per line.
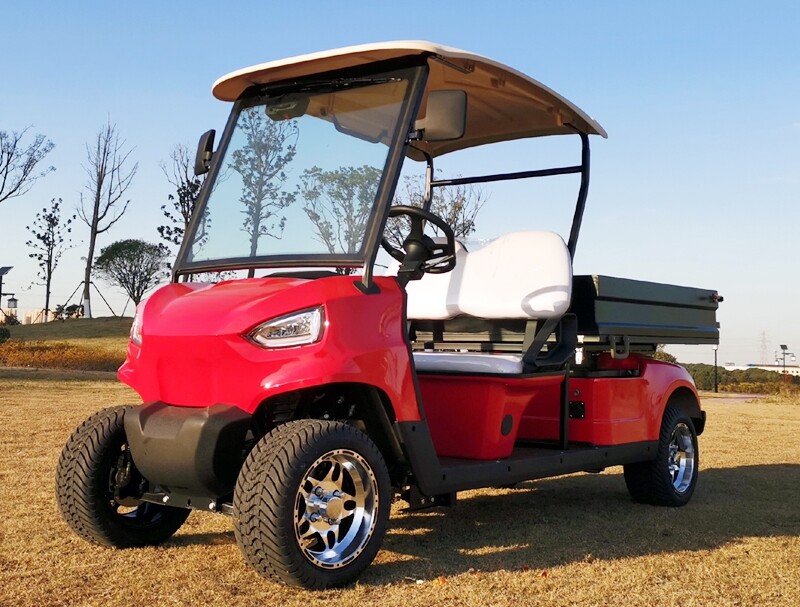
575	540
78	344
109	333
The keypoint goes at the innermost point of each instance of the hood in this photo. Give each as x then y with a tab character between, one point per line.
232	306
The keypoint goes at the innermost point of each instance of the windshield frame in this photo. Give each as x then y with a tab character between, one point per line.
414	71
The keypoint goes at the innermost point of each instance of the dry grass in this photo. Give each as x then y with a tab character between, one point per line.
59	355
97	344
575	540
80	329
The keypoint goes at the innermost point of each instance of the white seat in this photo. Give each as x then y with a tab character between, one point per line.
518	275
521	275
431	297
467	362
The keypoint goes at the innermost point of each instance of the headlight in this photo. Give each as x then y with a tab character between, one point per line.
295	329
136	327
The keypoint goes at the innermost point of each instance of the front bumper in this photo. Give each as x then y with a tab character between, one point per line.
188	450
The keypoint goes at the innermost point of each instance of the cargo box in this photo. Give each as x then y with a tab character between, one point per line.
612	309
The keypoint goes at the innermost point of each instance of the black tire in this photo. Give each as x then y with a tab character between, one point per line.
92	467
291	524
669	479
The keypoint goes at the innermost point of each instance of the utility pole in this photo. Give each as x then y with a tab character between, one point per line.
3	271
716	380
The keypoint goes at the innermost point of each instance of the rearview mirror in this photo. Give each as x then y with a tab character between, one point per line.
445	116
205	147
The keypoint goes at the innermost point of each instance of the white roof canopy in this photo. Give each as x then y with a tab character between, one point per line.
502	103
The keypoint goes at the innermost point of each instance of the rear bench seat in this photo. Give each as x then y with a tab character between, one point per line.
521	275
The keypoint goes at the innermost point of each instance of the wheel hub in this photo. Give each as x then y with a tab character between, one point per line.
328	506
336	505
682	458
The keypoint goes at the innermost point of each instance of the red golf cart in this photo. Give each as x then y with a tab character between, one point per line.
309	388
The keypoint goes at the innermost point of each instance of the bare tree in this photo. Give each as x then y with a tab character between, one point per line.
18	162
457	205
187	186
108	180
50	239
261	163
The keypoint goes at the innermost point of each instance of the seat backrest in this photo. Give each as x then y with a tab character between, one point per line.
518	275
431	297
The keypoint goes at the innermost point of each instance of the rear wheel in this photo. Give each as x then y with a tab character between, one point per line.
96	484
669	479
312	503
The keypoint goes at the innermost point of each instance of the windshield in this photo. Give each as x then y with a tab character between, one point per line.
300	174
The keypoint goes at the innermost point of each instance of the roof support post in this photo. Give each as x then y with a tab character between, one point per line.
426	202
582	195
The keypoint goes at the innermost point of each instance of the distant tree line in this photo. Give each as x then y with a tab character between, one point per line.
738	380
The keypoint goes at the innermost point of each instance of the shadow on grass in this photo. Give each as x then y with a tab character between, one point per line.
205	539
55	375
585	517
570	519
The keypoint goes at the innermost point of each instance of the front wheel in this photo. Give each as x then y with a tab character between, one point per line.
311	504
669	479
97	483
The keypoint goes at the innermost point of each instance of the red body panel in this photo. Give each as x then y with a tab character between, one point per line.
465	413
618	409
193	352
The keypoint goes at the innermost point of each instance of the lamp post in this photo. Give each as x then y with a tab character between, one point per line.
785	353
3	271
716	381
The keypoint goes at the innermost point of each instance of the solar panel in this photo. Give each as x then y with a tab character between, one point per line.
4	270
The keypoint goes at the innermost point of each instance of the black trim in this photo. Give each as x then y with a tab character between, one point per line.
189	450
412	69
304	274
583	193
392	168
412	366
372	289
439	183
563	422
436	476
202	197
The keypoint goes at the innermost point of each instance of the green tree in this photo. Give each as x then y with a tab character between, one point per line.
50	240
133	265
261	163
662	354
18	162
339	204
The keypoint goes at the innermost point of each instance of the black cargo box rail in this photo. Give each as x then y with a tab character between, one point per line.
618	310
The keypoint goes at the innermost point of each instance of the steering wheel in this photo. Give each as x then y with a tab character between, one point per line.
432	257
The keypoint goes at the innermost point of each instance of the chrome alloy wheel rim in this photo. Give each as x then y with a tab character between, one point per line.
682	460
336	509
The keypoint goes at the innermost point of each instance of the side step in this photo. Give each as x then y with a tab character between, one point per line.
437	476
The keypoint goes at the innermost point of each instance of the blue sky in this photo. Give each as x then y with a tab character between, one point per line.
698	183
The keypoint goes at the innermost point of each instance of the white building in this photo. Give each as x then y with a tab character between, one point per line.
793	370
